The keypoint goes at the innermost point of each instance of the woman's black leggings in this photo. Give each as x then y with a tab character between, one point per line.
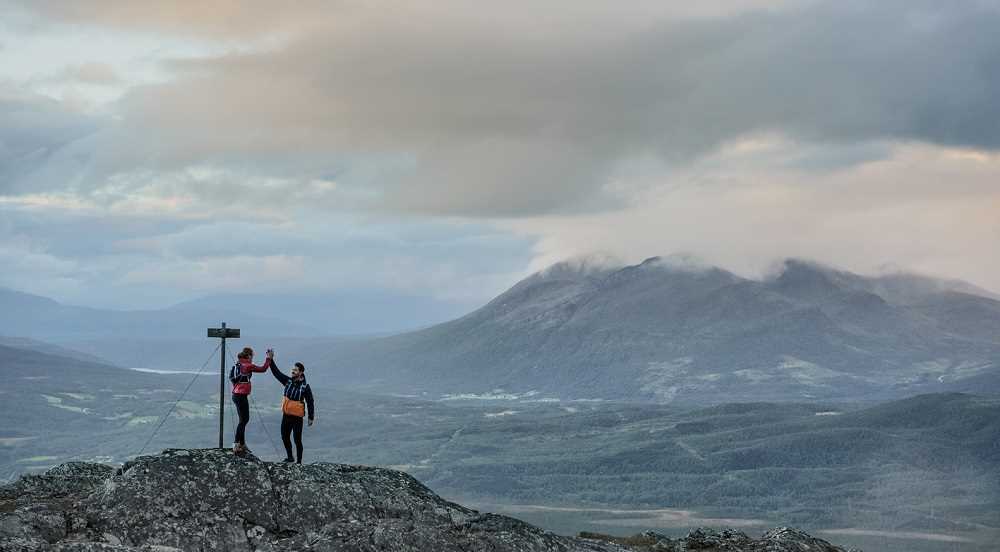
243	411
292	425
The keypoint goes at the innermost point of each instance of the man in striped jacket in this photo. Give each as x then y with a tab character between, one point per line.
297	399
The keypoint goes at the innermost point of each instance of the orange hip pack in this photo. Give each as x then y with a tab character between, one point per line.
293	408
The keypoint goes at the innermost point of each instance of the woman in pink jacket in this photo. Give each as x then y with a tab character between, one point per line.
239	376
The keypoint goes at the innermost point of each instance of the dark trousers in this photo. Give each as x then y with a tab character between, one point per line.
243	411
292	425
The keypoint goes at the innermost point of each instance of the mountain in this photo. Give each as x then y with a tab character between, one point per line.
174	338
672	331
42	318
26	343
209	499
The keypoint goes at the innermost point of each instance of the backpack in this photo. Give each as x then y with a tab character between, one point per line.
293	408
236	377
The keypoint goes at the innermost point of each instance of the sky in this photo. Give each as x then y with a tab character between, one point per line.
154	152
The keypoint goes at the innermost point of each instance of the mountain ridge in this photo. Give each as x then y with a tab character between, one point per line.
651	330
39	317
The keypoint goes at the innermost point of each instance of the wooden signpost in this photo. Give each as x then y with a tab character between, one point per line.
222	333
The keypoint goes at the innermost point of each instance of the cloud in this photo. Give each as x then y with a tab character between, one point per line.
92	73
99	255
511	118
233	273
29	268
853	132
33	129
255	17
926	208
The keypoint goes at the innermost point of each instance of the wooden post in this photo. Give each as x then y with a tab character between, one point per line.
222	333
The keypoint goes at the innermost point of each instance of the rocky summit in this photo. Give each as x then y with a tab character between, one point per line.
209	499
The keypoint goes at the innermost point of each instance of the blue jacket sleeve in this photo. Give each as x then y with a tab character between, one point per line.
278	375
308	395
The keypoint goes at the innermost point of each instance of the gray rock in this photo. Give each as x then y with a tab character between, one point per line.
213	500
35	521
66	480
781	539
786	538
39	509
20	544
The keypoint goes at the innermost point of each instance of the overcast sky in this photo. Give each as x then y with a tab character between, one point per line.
152	152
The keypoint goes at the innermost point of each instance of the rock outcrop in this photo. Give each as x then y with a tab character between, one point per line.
782	539
210	499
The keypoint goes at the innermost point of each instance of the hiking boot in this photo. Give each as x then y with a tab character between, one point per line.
239	449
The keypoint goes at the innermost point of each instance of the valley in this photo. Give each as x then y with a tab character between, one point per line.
921	467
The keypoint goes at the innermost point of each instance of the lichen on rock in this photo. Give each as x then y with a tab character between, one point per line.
212	500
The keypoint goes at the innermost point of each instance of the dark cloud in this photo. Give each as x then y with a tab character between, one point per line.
512	123
506	117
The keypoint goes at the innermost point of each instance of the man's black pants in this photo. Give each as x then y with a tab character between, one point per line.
292	425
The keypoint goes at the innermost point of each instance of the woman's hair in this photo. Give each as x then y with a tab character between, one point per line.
300	366
242	355
247	351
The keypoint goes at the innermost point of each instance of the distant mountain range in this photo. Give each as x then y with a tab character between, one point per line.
343	313
259	316
664	330
42	318
667	331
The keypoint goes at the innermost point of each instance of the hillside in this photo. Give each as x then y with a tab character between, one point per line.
160	502
58	405
927	464
666	332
